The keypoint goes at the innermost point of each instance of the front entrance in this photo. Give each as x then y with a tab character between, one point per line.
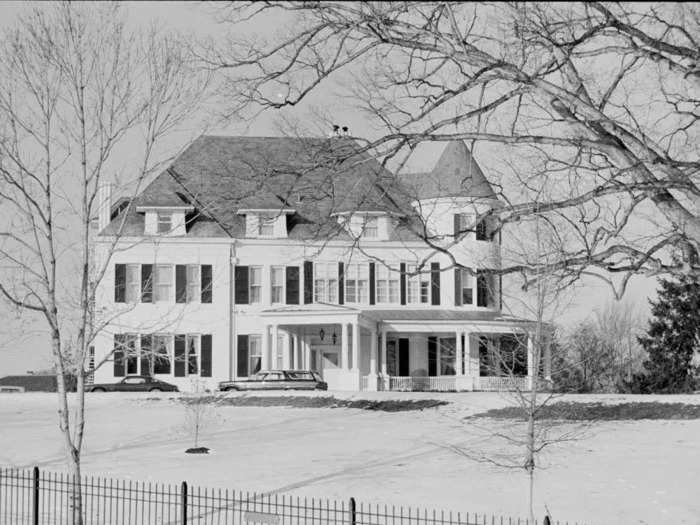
324	357
404	362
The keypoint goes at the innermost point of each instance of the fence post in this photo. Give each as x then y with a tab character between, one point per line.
35	493
183	502
353	515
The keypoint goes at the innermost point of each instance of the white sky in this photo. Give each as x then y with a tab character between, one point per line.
25	347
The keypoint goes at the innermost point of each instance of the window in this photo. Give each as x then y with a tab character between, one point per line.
357	283
193	283
447	356
165	222
192	354
164	282
387	279
325	283
484	290
162	359
254	354
481	231
266	225
133	283
254	284
371	227
417	286
132	356
467	287
277	284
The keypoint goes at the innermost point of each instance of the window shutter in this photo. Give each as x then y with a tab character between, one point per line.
292	288
180	356
242	351
205	349
146	283
206	284
180	283
457	225
120	283
146	356
372	284
118	355
432	356
435	283
482	292
308	282
402	282
341	283
241	284
458	286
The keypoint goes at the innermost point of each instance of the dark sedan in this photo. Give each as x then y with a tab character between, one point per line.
133	384
278	380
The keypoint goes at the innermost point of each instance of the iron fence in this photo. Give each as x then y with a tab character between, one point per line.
34	497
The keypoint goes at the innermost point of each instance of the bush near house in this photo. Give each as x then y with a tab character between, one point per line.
37	383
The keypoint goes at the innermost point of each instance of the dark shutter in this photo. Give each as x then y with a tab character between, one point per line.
458	286
205	349
180	283
180	355
146	283
457	225
402	282
292	281
146	356
118	355
341	283
241	284
372	283
206	284
482	290
432	356
481	230
242	352
120	283
308	282
435	283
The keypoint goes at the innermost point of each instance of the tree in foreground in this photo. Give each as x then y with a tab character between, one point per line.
84	101
672	339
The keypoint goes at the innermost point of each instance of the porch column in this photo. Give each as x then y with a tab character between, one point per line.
344	364
459	354
286	350
356	344
372	379
530	358
274	346
385	378
296	353
307	353
547	362
438	357
265	361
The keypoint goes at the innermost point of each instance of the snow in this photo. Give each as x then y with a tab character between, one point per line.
616	472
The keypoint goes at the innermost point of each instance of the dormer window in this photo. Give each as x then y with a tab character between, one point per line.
266	225
165	222
371	227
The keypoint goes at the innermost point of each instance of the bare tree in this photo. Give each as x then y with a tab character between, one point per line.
600	99
84	101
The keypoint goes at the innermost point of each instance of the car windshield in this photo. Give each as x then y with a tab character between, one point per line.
259	376
306	376
317	377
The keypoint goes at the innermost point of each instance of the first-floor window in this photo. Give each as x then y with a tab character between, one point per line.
447	356
277	284
162	354
417	286
192	343
164	282
325	283
254	354
132	356
254	284
357	283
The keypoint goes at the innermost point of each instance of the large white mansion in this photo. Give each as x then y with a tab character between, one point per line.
257	253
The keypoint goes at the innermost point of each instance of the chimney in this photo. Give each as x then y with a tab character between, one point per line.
104	206
345	131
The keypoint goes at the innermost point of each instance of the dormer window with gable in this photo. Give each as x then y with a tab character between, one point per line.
164	222
370	229
266	225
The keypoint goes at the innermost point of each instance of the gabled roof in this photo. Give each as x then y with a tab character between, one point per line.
456	174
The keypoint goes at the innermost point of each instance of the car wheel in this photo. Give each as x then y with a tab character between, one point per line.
155	390
98	390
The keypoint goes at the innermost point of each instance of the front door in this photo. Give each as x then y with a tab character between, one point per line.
404	365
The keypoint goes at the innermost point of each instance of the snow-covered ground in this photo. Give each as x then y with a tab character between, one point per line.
616	472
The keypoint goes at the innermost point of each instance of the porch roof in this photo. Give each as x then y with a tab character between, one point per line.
443	315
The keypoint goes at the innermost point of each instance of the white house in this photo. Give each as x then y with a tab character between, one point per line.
256	253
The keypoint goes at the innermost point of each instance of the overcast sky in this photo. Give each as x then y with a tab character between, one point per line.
25	347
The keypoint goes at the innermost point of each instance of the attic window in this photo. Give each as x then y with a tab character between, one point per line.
266	225
371	227
165	222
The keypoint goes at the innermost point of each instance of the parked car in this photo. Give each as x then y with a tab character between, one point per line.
133	384
278	380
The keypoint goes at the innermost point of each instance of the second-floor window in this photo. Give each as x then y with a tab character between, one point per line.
326	283
193	283
255	284
133	283
277	284
357	283
163	282
387	284
467	287
165	222
417	286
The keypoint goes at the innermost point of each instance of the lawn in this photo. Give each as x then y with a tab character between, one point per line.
385	448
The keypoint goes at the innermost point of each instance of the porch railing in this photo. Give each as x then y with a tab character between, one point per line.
423	383
445	383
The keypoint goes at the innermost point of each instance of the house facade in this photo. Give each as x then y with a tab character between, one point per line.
250	254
